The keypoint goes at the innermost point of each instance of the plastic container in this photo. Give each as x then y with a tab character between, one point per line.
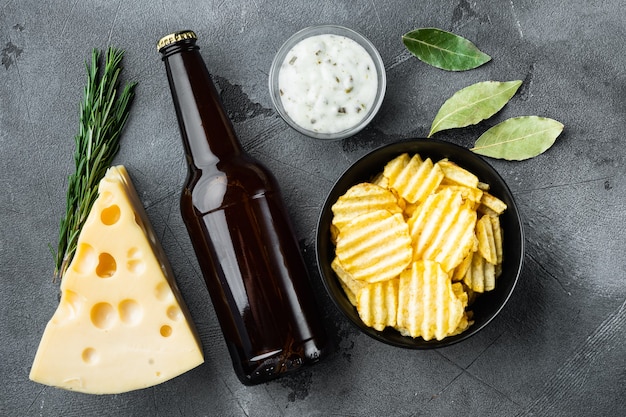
321	80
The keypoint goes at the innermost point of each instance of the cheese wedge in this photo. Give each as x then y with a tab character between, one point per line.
121	323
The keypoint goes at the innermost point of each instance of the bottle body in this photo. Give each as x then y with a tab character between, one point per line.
256	277
240	231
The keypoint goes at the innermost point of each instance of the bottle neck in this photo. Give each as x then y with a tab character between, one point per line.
207	132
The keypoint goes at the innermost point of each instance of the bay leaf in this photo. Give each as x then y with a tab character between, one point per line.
518	138
473	104
444	50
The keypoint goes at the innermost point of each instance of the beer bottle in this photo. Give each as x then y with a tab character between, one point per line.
238	225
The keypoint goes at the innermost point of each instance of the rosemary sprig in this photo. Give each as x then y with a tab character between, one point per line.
102	117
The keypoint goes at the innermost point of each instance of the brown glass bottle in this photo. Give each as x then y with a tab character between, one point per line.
235	217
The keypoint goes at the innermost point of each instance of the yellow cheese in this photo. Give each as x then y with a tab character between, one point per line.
121	323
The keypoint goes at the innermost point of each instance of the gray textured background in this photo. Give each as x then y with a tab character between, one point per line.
558	347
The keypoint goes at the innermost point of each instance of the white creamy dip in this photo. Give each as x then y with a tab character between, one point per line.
327	83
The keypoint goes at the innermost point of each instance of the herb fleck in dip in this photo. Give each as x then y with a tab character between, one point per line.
327	83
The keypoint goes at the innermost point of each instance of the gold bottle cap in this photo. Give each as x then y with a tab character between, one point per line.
175	37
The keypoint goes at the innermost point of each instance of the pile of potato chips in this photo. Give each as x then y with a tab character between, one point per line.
416	245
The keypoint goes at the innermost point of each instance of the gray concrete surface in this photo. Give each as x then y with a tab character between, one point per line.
558	347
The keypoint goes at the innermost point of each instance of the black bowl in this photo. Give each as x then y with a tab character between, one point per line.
487	305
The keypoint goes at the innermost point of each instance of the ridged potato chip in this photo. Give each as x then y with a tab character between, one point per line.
442	229
486	261
481	276
380	180
464	324
497	237
395	166
459	291
417	179
454	174
461	269
359	199
486	239
466	320
375	246
377	304
468	193
492	203
350	285
427	305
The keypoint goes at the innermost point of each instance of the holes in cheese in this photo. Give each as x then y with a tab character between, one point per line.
110	215
162	291
174	313
103	316
130	312
90	356
121	323
166	331
70	306
106	197
84	259
106	265
135	264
